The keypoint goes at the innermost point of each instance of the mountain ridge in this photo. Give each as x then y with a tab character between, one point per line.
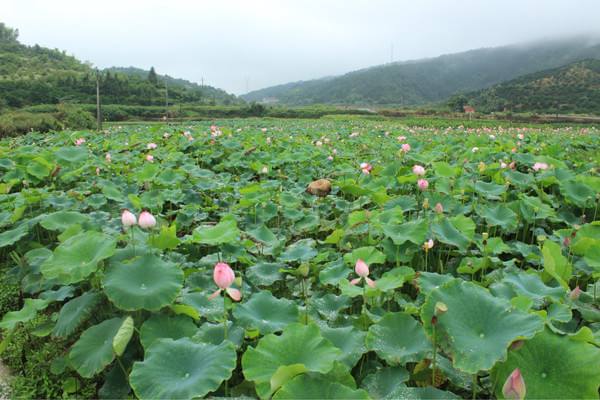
430	80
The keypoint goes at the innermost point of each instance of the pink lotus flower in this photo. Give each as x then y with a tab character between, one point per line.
439	208
540	166
146	220
521	136
418	170
422	184
366	168
318	143
268	140
152	146
401	138
128	218
97	171
503	165
334	151
362	270
514	387
263	129
330	158
79	142
108	157
405	147
187	133
166	135
150	158
224	276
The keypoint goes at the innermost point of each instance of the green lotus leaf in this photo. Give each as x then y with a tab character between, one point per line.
266	312
72	154
215	333
264	273
403	392
78	257
499	215
478	327
489	190
398	338
385	382
334	272
348	339
368	254
166	238
427	281
317	387
61	220
301	251
39	167
457	231
555	264
182	369
123	336
147	283
553	367
395	278
26	313
74	312
94	349
330	305
161	326
531	286
578	193
519	179
225	231
212	309
414	231
298	344
8	238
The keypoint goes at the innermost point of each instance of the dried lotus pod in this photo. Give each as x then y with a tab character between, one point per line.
320	187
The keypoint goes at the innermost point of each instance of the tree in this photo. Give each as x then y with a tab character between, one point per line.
457	102
8	34
152	77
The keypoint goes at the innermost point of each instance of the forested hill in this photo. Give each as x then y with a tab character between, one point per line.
435	79
572	88
31	75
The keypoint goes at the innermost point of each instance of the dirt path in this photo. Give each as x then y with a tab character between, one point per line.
4	377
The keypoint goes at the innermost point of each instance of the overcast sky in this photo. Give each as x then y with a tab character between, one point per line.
251	44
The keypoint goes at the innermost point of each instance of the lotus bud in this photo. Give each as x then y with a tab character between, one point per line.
361	268
418	170
223	275
422	184
426	204
128	218
405	147
574	295
514	387
485	235
146	220
439	208
151	146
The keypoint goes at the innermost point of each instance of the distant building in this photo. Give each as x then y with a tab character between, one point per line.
468	109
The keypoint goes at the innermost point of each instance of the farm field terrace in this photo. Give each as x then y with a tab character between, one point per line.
441	262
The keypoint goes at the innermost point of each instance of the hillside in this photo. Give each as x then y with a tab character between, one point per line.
31	75
572	88
435	79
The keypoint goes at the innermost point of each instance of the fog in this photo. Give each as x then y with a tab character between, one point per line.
245	45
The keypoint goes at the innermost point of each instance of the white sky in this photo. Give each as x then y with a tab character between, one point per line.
259	43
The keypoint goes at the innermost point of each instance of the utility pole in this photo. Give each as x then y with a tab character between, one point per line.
166	99
98	113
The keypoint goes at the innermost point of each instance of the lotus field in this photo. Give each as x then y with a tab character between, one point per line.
316	259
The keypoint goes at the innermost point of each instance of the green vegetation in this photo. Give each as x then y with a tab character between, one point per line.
433	261
32	75
574	88
431	80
